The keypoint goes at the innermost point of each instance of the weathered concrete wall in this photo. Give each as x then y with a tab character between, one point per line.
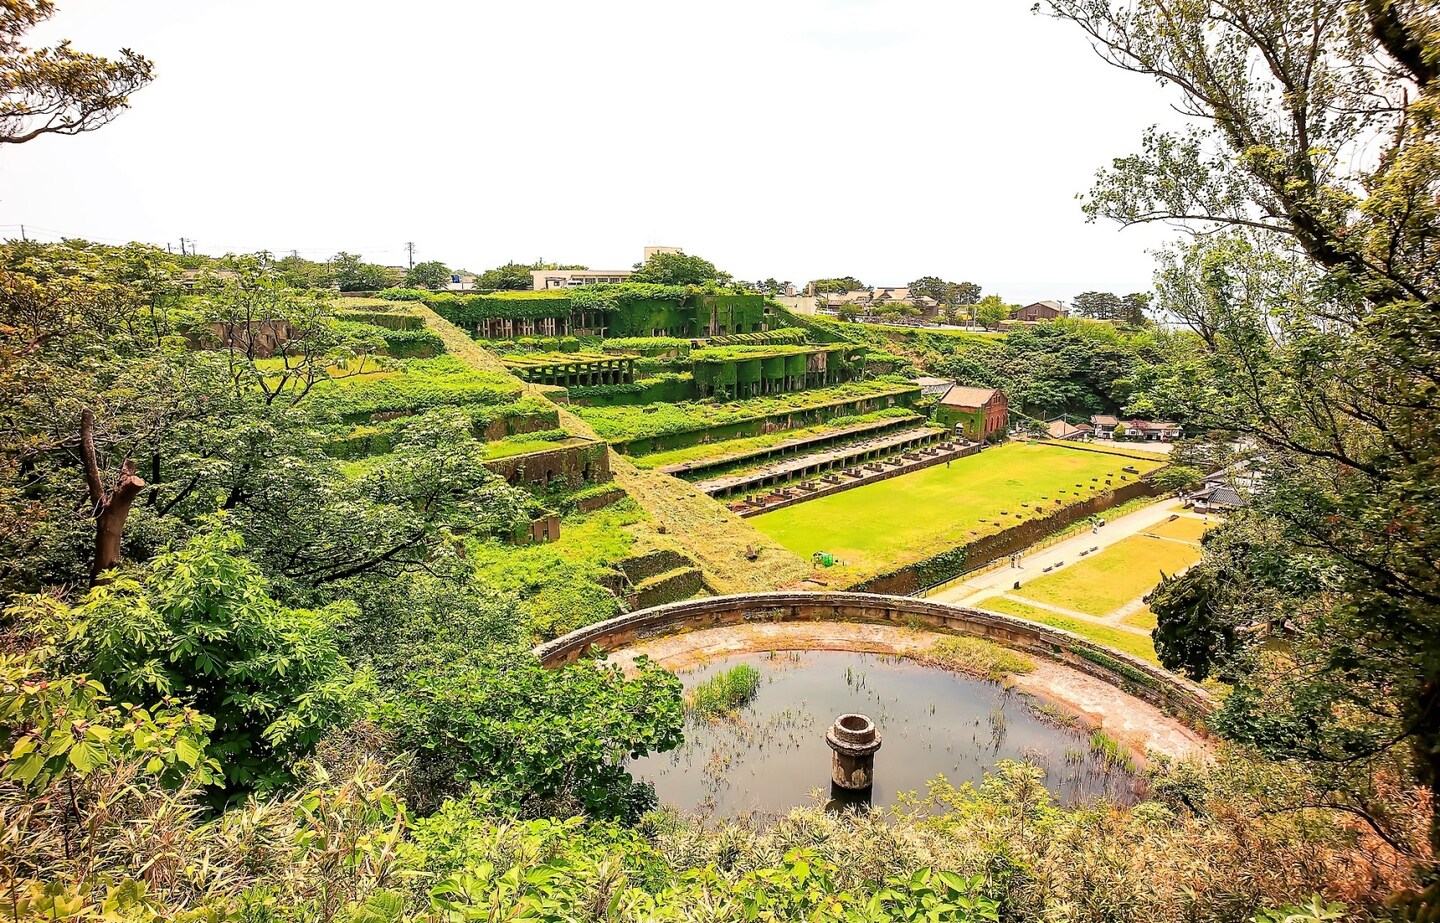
1140	678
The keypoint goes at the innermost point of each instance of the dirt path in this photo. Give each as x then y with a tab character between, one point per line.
709	533
1138	724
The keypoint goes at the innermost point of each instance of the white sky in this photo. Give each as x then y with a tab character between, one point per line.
886	139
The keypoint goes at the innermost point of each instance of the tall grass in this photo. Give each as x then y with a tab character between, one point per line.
977	657
1112	753
723	693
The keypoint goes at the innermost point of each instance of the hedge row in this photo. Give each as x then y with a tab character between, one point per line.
387	320
623	424
781	337
421	384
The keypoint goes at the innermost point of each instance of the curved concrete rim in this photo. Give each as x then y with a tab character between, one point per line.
1140	678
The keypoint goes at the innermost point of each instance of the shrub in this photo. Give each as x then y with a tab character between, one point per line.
536	739
404	294
199	624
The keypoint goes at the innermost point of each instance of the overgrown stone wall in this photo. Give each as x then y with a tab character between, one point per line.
671	586
1137	677
573	465
779	420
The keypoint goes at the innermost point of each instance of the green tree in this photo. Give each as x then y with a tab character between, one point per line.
58	90
1097	305
1134	307
537	740
1328	364
299	273
837	286
679	269
991	310
199	624
431	274
510	277
934	288
965	293
352	274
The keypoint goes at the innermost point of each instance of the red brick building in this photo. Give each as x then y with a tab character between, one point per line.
981	413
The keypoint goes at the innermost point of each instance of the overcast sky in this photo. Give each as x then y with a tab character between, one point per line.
886	139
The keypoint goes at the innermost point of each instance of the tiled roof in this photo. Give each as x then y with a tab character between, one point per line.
961	396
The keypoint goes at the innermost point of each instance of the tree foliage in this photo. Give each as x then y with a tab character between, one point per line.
837	285
58	90
537	740
1314	163
431	274
679	269
352	274
199	625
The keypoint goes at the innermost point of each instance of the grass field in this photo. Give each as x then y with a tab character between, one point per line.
1186	528
907	518
1102	583
1142	619
1116	638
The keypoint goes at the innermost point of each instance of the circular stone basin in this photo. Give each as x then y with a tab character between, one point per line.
772	755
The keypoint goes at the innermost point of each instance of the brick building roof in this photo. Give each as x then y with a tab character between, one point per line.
962	396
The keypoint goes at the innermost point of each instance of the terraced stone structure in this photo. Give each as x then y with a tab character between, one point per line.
1141	679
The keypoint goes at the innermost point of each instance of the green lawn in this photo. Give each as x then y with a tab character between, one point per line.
910	517
1186	528
1144	618
1103	582
1115	638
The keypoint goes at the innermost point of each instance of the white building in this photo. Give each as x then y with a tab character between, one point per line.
541	279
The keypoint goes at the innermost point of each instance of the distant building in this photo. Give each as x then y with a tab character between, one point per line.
1060	428
934	387
541	279
460	282
1040	310
980	414
1225	490
871	300
1153	430
1104	425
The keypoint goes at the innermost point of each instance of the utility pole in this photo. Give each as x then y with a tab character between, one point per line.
410	249
182	247
22	233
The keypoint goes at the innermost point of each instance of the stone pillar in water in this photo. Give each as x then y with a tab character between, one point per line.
854	740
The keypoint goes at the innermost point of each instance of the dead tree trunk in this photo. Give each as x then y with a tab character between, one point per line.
110	507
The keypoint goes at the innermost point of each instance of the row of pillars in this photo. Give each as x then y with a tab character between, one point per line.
835	464
581	374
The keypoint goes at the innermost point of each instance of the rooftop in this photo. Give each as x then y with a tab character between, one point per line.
962	396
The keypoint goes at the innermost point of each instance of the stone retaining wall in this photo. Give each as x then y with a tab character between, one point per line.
1137	677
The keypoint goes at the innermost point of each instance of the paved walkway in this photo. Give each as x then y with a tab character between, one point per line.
999	581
